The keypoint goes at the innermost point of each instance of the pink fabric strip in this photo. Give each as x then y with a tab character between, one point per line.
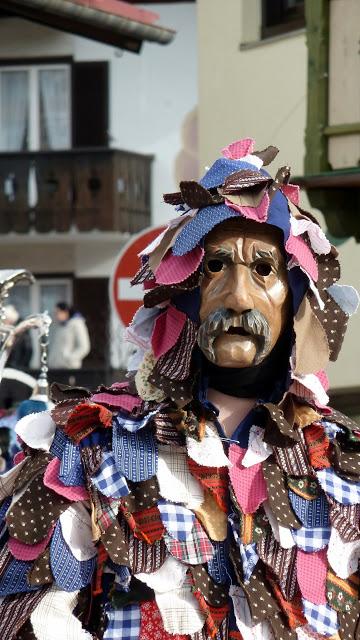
51	480
124	401
238	149
173	269
291	191
298	248
259	214
22	551
311	575
248	482
167	329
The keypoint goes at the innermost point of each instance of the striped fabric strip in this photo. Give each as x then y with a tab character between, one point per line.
16	610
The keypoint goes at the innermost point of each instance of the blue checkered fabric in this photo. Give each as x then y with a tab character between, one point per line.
219	565
312	513
71	471
108	479
133	425
331	429
136	454
178	520
249	559
321	618
311	539
58	443
123	623
69	573
14	577
341	490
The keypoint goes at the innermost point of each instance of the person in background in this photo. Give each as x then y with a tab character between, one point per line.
69	338
21	353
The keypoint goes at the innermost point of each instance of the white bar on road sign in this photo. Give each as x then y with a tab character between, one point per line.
126	292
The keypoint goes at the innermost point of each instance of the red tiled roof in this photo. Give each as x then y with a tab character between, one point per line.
120	8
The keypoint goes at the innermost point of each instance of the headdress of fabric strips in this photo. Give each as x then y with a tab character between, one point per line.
164	330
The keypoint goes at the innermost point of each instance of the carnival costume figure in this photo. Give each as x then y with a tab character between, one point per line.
214	495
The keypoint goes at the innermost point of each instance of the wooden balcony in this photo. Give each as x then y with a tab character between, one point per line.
77	189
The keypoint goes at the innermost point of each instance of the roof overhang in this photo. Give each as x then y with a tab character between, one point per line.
112	22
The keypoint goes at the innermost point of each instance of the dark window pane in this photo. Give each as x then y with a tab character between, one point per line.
280	16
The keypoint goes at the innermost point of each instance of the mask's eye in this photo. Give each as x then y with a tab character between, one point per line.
214	265
263	268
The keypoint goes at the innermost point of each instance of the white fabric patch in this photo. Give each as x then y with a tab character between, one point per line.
169	577
258	450
77	531
318	240
175	480
260	631
209	451
313	384
37	430
141	327
346	297
282	534
253	160
343	556
7	480
52	619
180	611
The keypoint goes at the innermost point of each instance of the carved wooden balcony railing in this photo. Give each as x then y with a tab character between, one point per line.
77	189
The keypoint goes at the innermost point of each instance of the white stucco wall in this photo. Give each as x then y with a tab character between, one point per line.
260	90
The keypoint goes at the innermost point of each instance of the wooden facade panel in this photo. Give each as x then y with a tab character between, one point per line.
344	81
95	189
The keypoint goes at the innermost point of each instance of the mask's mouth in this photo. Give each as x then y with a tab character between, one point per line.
238	331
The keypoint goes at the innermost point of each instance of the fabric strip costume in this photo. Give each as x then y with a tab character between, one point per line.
132	515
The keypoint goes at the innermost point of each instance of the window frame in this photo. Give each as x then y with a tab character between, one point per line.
33	67
283	27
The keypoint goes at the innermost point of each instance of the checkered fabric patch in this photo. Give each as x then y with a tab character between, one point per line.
322	618
123	623
132	425
343	491
219	565
311	539
136	454
178	520
249	559
108	480
71	471
196	549
312	513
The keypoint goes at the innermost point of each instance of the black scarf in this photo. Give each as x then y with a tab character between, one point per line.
266	381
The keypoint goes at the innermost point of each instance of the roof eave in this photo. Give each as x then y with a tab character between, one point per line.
88	22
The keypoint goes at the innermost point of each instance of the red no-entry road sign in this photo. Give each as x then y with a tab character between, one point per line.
126	299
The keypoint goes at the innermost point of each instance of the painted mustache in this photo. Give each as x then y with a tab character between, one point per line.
223	320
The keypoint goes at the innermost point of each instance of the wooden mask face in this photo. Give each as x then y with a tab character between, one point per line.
244	294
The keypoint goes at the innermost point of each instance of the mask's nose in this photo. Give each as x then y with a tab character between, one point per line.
238	296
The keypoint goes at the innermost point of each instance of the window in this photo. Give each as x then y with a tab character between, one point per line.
35	107
55	105
280	16
39	297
